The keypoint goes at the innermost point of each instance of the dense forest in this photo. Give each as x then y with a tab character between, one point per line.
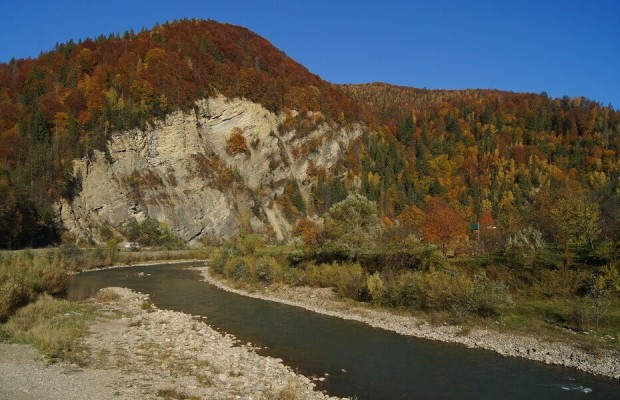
498	160
492	160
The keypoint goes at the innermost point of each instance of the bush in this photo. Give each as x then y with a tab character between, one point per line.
266	270
490	299
251	243
558	284
445	291
236	143
352	227
412	253
351	282
348	279
220	258
405	290
376	288
151	232
238	268
525	248
24	276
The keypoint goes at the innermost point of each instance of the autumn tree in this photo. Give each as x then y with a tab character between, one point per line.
442	224
523	248
352	227
410	221
309	231
576	219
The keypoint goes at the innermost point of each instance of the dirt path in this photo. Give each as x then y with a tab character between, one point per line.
24	375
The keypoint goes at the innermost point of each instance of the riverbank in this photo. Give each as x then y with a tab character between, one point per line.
143	264
136	351
323	301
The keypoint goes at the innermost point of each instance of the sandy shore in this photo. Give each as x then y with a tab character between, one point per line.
323	301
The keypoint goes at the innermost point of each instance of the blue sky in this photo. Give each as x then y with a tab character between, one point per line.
562	47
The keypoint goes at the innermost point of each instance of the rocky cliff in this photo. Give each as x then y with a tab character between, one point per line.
190	173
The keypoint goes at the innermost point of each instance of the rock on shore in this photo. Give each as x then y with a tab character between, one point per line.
323	301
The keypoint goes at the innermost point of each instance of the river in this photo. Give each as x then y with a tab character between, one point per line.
359	360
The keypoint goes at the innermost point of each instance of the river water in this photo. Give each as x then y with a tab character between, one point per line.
360	361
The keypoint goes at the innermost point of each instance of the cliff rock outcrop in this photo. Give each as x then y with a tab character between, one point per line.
191	174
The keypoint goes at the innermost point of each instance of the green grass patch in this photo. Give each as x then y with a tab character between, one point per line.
580	320
55	327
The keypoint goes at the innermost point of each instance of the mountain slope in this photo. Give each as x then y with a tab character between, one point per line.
210	129
68	102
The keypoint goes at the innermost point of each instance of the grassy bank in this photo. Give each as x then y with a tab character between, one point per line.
28	280
555	304
52	326
25	275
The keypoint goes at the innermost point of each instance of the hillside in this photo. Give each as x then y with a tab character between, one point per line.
211	130
69	101
490	149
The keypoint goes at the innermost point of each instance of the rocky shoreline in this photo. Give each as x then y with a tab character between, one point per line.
136	351
323	301
141	264
171	353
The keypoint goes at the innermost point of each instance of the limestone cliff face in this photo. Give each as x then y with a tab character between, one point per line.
180	172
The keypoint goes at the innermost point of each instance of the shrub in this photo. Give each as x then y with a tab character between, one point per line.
348	279
352	227
445	291
251	243
405	290
236	143
24	276
558	284
238	268
490	298
151	232
376	288
414	254
523	249
220	258
266	270
351	281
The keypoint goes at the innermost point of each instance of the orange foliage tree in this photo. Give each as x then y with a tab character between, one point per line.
442	224
309	232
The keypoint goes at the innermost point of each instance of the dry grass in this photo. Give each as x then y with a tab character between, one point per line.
55	327
173	394
107	296
292	391
25	275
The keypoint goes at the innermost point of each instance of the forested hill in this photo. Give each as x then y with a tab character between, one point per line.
66	103
493	150
503	157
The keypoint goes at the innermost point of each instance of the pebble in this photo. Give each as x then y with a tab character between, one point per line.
173	351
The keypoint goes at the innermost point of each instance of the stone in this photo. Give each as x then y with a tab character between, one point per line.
163	172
